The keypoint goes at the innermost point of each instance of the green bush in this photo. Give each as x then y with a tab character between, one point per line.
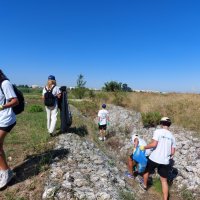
187	195
151	119
35	108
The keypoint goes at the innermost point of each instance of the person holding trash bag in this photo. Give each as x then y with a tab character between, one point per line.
164	145
137	160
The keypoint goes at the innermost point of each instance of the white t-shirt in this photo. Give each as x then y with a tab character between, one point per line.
161	154
103	116
55	91
7	116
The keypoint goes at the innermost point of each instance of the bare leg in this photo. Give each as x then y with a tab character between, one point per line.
164	187
145	176
3	163
130	165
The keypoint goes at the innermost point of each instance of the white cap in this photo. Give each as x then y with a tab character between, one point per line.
134	136
165	119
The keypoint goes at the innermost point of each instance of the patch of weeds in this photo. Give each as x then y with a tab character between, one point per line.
157	185
12	196
151	119
111	163
187	195
35	109
126	195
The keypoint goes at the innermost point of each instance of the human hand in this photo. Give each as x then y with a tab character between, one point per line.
1	107
142	148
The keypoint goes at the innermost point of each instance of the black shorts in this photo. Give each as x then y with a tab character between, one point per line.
8	128
163	170
102	127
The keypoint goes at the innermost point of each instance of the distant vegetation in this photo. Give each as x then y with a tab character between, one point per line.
183	109
114	86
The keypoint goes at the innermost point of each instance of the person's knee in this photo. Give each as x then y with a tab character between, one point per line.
163	180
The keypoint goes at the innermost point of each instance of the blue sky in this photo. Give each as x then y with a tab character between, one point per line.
148	44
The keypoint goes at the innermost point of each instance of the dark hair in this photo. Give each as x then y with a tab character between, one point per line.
165	123
103	105
2	76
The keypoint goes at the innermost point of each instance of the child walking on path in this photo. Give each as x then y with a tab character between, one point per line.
103	121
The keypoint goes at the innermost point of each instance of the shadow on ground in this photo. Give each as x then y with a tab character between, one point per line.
34	164
81	131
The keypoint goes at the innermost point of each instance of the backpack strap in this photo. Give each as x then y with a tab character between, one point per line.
3	91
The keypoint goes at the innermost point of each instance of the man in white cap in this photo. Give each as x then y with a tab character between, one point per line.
164	145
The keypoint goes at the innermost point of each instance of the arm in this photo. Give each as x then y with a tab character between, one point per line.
172	152
13	102
153	144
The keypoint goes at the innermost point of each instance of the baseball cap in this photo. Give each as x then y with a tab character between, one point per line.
103	105
51	77
165	119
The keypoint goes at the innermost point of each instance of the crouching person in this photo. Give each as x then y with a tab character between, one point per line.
133	165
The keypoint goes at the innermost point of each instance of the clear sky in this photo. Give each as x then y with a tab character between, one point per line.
148	44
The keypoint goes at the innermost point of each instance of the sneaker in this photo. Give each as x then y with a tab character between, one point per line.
104	138
129	175
143	186
5	177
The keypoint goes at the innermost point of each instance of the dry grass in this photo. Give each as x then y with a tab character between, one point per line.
183	109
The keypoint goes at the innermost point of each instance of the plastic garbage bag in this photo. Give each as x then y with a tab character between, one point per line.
140	158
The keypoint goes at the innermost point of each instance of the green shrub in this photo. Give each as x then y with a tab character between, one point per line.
126	195
187	195
35	108
151	119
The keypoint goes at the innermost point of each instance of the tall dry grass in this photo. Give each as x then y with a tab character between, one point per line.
183	109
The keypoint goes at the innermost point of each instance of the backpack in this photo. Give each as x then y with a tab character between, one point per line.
20	107
49	98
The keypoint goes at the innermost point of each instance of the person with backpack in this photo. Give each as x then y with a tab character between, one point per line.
8	100
103	121
164	145
50	94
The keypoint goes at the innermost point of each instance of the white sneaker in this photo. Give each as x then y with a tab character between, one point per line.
5	177
100	138
104	138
